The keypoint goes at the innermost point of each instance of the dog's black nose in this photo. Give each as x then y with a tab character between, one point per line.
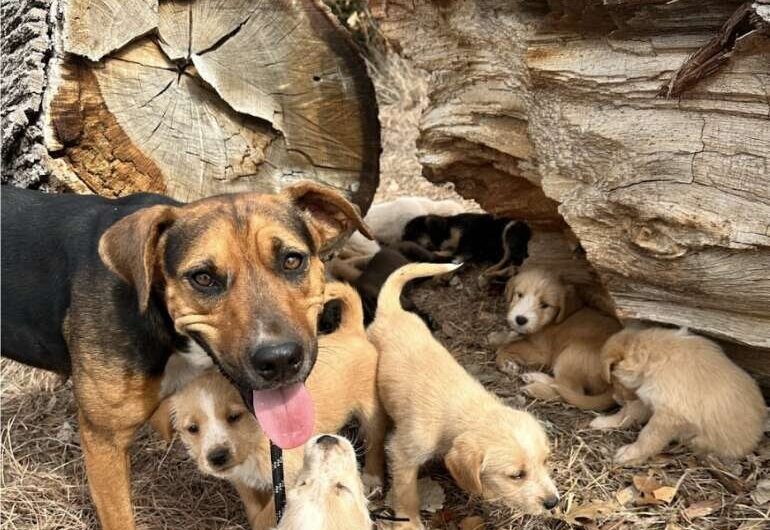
219	456
551	502
277	362
521	320
327	440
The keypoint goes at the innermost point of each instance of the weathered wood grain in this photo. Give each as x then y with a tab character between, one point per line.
199	97
669	197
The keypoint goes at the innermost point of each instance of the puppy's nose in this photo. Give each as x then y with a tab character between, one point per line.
521	320
277	362
327	440
551	502
218	457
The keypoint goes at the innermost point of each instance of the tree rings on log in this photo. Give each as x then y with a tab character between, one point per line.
195	98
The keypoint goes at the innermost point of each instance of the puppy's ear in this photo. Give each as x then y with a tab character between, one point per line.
465	461
568	303
129	247
332	217
510	289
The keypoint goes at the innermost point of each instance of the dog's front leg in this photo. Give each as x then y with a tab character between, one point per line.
406	497
654	437
520	352
112	405
260	510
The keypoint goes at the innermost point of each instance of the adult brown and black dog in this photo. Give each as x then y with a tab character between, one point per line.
106	290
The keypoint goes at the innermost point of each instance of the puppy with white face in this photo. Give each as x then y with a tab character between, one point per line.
441	411
536	299
328	493
551	328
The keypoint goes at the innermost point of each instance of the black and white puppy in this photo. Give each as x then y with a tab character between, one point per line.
470	237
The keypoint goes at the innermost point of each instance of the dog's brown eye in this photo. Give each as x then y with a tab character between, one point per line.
204	279
518	475
293	261
192	429
233	417
341	487
544	305
518	294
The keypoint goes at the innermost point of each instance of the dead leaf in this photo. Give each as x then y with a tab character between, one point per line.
664	493
625	495
474	522
586	514
673	526
646	483
761	494
702	508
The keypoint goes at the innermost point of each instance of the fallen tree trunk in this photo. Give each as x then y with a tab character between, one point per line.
644	125
187	98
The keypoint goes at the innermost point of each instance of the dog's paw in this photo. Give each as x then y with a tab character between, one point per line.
373	485
537	377
498	338
507	366
540	390
605	422
629	455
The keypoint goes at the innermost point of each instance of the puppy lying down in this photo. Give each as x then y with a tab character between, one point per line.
550	327
441	411
328	493
689	390
225	440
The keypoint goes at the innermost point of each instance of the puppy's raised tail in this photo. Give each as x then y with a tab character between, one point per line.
352	318
599	402
389	301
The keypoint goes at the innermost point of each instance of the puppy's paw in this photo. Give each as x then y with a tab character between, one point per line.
507	365
498	338
605	422
540	390
629	455
373	485
537	377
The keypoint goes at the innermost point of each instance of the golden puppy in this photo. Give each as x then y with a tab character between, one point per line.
694	393
226	441
439	410
328	493
550	328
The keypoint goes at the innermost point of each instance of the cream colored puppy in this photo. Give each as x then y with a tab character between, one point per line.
440	411
328	493
226	441
691	390
551	328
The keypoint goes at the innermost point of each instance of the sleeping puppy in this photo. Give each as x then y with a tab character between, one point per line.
441	411
328	493
475	237
386	222
227	442
694	393
550	328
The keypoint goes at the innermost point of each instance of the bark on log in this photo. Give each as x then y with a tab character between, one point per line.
185	97
551	110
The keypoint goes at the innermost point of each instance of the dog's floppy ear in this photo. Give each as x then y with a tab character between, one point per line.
465	462
568	303
510	289
129	247
331	216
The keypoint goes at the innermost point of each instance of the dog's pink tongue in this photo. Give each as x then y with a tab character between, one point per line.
285	414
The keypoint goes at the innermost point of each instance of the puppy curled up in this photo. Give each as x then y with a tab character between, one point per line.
441	411
225	440
690	390
328	493
550	327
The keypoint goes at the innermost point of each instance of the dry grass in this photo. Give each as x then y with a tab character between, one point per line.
43	484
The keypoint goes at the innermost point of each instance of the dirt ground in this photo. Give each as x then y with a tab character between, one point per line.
43	484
